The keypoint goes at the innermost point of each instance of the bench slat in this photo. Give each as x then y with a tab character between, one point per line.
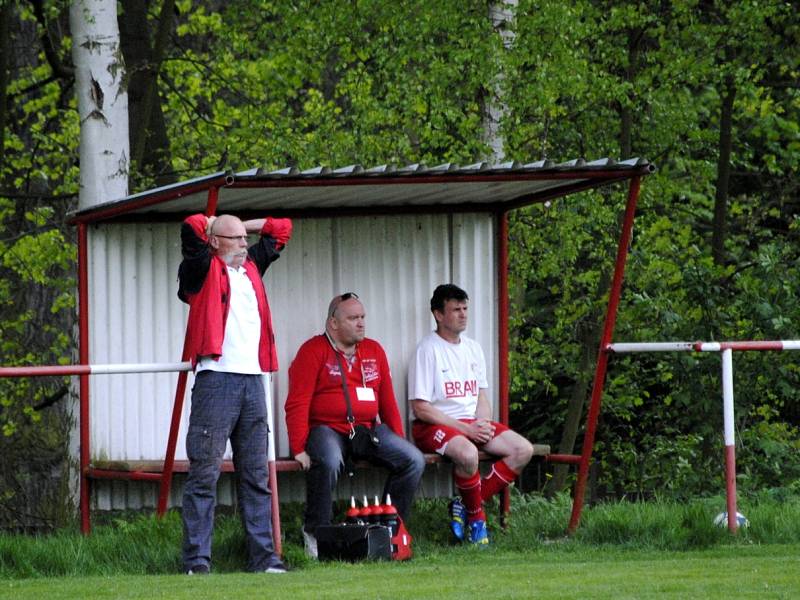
281	464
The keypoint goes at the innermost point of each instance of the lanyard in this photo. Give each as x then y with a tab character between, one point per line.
350	362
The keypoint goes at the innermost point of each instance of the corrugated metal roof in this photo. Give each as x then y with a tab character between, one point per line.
385	189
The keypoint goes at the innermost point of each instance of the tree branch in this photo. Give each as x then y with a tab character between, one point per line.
52	398
59	69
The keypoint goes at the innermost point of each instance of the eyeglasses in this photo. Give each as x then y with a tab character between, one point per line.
337	300
231	237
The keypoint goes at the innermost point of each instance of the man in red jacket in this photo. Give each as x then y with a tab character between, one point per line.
230	343
316	414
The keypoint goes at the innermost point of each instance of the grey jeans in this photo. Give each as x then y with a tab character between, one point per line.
327	450
227	405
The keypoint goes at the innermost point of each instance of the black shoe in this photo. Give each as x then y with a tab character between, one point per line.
198	570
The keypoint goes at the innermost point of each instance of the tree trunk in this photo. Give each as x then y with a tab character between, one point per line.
495	108
590	340
720	226
626	111
102	101
150	152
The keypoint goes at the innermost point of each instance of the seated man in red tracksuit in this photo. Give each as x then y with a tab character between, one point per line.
316	414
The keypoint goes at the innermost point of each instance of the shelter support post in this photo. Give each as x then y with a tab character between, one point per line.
83	358
172	441
503	344
602	355
272	470
211	203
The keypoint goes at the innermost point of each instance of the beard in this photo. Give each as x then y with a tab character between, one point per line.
234	259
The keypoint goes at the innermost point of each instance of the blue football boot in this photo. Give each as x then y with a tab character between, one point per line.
458	518
478	533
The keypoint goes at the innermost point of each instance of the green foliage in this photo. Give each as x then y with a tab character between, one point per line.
369	83
661	421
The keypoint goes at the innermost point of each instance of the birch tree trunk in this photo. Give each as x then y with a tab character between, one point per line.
102	101
495	109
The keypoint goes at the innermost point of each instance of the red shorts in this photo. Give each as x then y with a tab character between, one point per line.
433	438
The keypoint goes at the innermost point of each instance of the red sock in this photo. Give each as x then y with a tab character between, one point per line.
470	490
501	476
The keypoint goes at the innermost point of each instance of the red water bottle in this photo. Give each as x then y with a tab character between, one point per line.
353	514
366	512
390	517
376	516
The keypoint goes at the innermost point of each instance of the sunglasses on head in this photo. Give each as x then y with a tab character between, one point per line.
338	300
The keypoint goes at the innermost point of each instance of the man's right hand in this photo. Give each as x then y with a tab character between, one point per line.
304	459
480	431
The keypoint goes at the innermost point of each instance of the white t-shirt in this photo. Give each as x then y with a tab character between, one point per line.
448	375
242	330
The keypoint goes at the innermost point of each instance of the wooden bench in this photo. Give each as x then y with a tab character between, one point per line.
102	469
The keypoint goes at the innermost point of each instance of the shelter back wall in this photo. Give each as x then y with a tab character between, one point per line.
392	262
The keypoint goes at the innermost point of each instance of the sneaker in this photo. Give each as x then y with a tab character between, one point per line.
277	568
478	533
198	570
458	518
310	544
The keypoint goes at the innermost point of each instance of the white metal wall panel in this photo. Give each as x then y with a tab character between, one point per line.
392	262
474	270
135	317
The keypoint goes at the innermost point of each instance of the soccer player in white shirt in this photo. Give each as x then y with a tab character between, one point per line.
447	388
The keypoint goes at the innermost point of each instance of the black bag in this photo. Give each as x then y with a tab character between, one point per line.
363	441
354	542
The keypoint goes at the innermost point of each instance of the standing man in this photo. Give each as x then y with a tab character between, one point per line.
316	414
230	342
447	388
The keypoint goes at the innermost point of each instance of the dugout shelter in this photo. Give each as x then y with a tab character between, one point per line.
389	234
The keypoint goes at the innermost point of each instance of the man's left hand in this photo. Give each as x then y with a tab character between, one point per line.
486	429
304	459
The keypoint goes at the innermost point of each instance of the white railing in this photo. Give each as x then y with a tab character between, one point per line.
727	349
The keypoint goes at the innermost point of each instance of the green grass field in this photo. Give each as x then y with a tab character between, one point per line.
621	550
559	572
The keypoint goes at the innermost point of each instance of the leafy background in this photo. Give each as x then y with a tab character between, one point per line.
707	90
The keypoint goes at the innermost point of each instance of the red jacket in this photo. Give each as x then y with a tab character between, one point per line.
316	396
205	286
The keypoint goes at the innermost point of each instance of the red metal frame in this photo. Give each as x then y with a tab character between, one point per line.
502	341
602	355
102	214
172	440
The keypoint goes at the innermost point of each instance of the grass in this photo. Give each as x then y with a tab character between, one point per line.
556	572
621	550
